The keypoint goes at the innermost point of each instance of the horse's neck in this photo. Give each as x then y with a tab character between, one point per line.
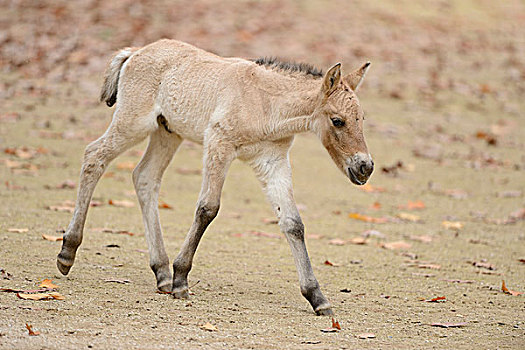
293	107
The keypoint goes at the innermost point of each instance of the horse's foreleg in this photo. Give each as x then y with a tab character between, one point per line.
274	172
147	178
97	157
217	159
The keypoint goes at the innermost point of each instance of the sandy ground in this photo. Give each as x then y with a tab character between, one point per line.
459	134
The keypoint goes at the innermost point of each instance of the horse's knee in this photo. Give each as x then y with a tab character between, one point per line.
292	227
206	212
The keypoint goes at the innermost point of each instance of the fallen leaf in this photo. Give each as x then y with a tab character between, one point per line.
335	324
452	225
30	330
426	275
435	300
376	206
329	263
416	205
507	291
422	238
411	256
208	327
483	265
372	233
164	205
52	238
18	230
408	217
47	283
357	240
396	245
449	325
429	266
118	281
336	241
372	189
366	218
366	336
329	330
41	296
458	281
122	203
67	184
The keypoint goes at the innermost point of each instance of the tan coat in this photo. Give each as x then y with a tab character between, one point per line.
236	108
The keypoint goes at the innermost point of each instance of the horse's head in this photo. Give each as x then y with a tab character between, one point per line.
338	121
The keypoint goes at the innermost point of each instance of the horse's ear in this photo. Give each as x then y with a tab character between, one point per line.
354	79
331	79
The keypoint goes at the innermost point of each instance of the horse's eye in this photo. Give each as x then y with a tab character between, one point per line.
338	122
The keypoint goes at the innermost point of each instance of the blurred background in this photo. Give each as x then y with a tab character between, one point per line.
416	47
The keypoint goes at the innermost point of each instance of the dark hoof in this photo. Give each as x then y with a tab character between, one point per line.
63	266
164	287
181	294
324	311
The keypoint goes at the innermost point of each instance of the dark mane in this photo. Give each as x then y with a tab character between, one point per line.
292	67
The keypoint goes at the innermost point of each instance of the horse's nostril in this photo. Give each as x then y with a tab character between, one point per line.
362	168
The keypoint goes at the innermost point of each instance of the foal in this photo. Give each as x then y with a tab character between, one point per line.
235	108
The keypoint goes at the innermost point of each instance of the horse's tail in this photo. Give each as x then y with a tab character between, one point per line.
111	76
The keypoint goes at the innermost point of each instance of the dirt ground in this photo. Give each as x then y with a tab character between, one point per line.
442	216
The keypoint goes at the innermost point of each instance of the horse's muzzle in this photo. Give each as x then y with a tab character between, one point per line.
360	169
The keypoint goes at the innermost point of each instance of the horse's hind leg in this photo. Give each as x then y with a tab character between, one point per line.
147	177
97	157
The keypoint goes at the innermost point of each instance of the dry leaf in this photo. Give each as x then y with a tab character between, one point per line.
329	263
507	291
164	205
52	238
41	296
483	265
336	241
122	203
458	281
18	230
452	225
335	324
422	238
47	283
408	217
208	327
435	300
357	240
372	189
30	330
449	325
396	245
376	206
366	336
416	205
366	218
429	266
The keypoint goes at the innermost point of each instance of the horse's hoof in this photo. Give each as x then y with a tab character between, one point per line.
181	294
327	311
62	266
164	287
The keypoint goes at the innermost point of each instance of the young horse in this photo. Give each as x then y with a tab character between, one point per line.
236	108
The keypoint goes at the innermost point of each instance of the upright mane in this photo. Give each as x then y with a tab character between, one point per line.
291	67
